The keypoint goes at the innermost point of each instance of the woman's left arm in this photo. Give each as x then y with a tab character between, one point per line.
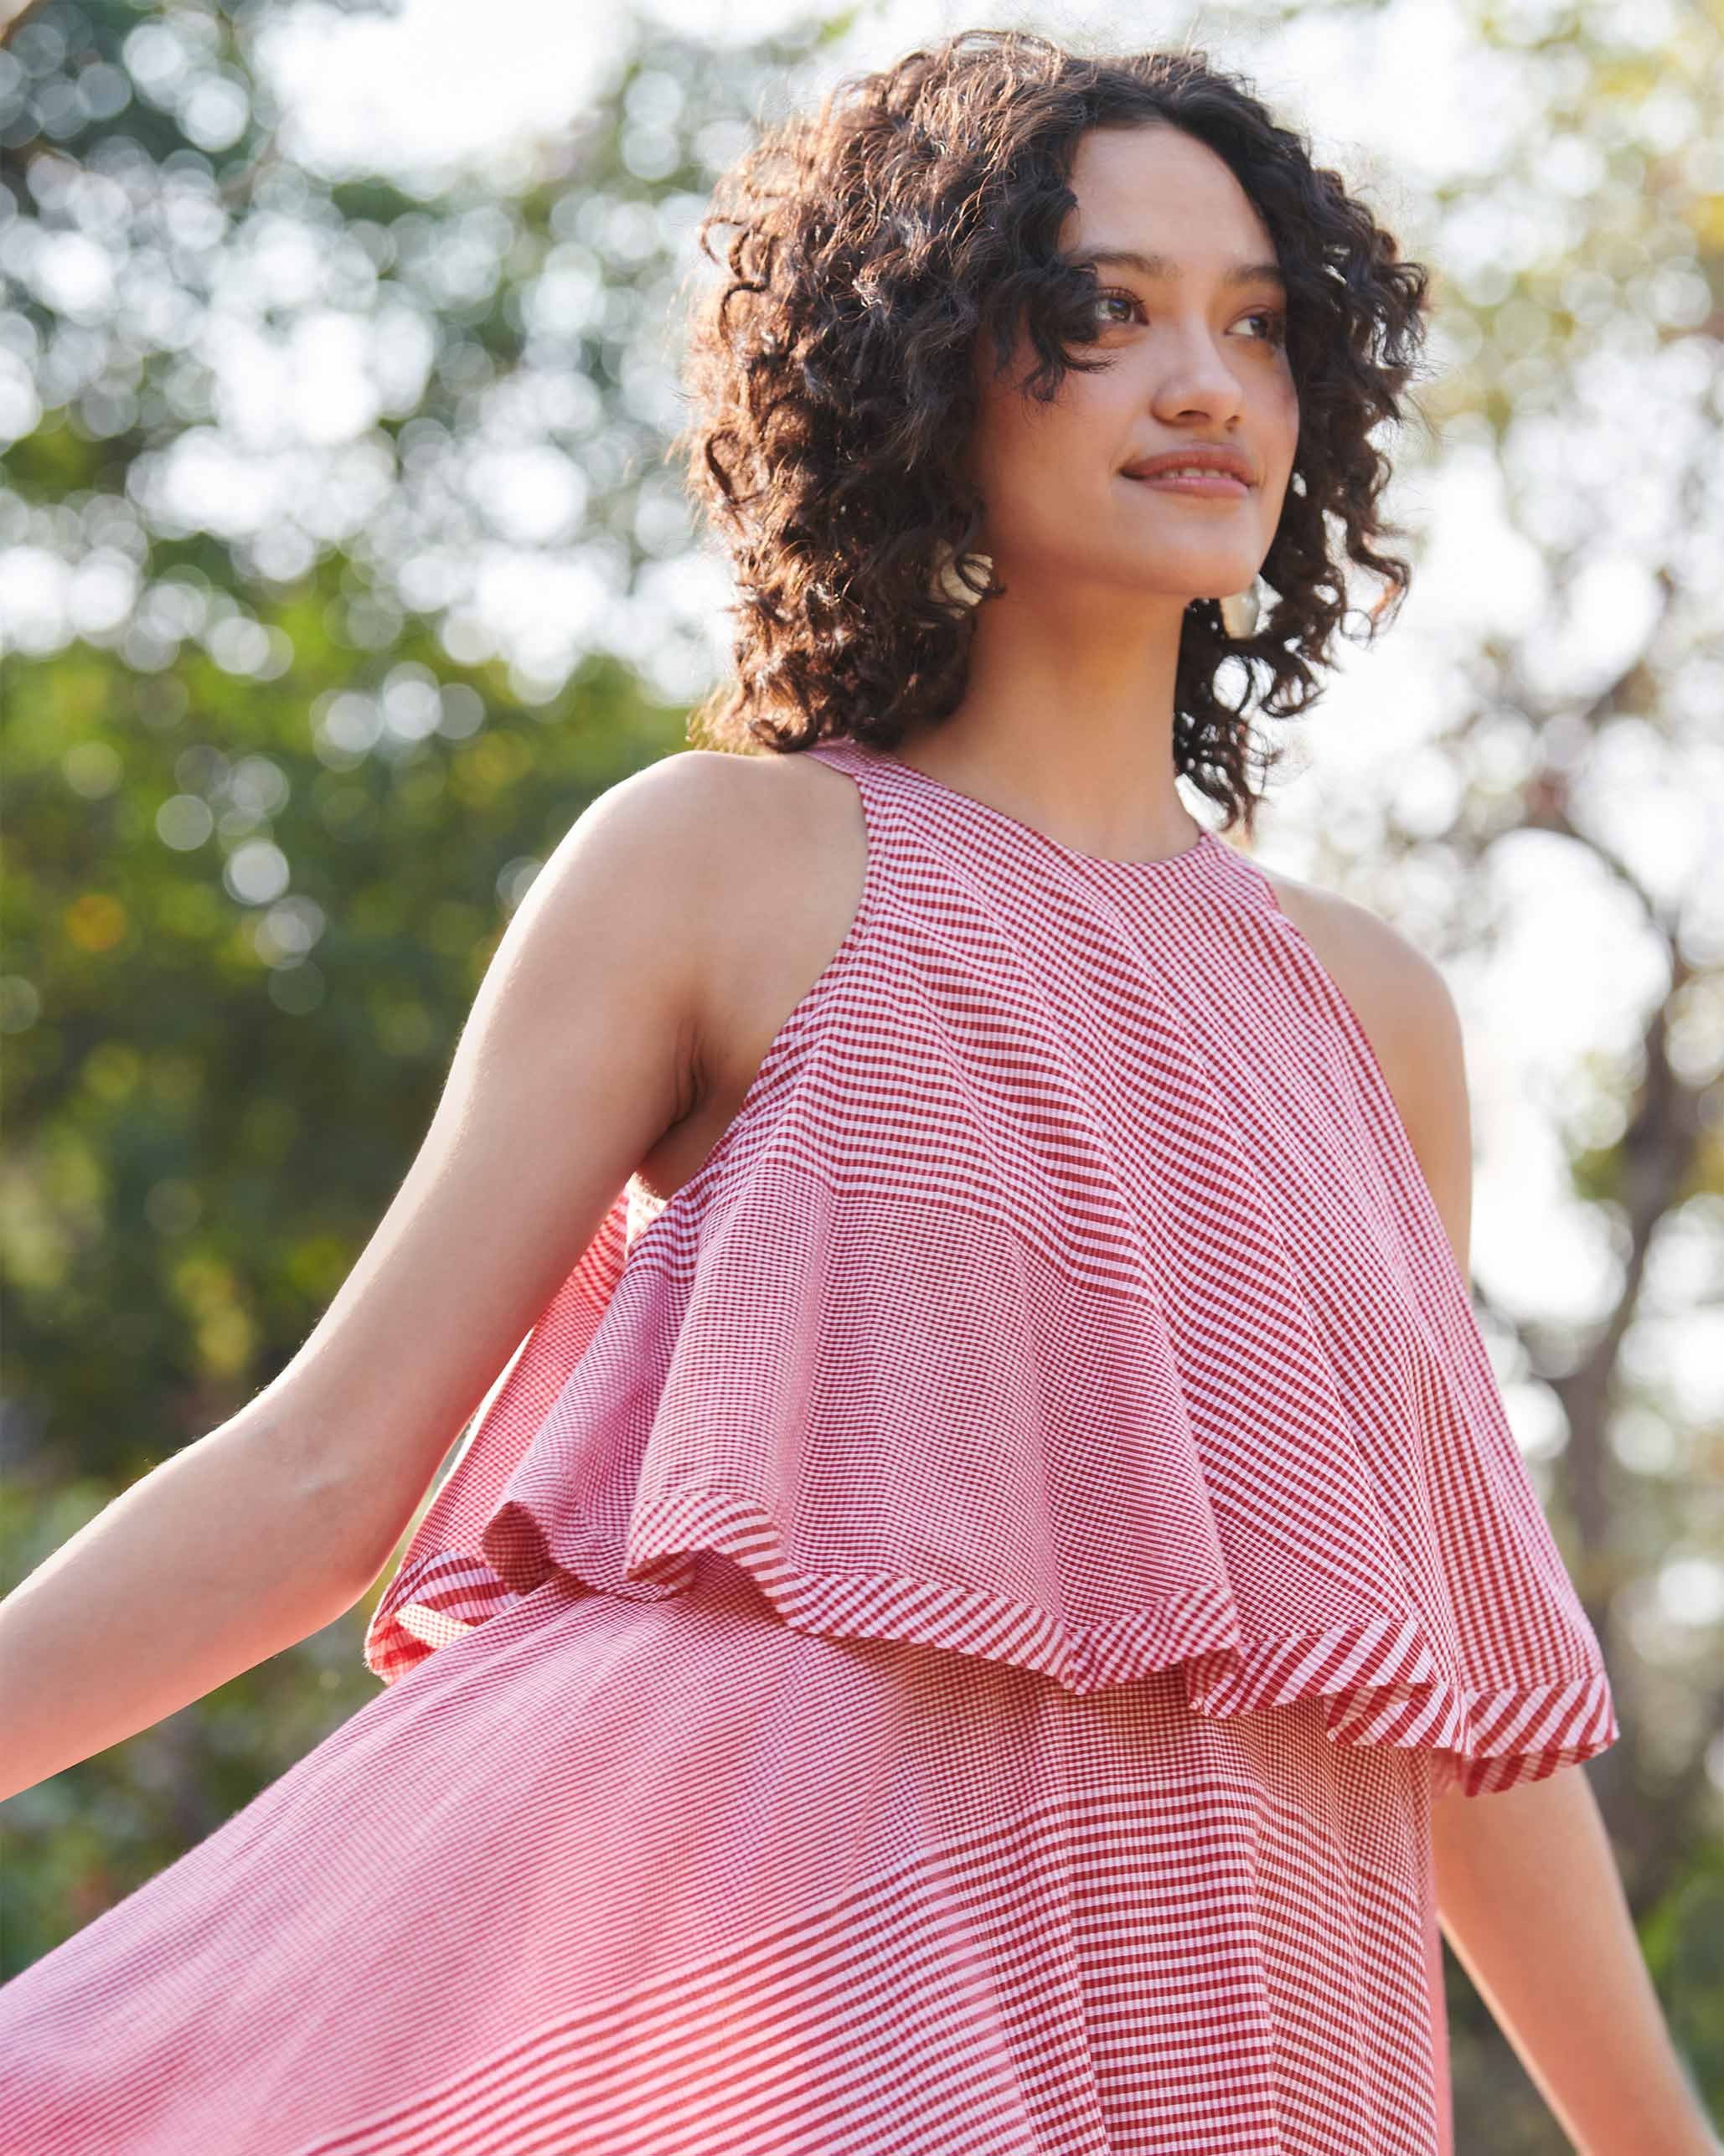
1528	1891
1531	1901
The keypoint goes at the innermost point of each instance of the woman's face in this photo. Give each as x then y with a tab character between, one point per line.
1194	355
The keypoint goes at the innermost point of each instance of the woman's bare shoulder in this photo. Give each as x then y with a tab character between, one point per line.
1408	1012
1396	988
780	850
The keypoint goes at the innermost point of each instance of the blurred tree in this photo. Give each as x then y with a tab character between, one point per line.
273	789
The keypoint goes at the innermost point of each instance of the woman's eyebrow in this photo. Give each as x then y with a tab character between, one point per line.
1163	265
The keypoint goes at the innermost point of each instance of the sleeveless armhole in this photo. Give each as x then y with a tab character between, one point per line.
442	1585
781	1052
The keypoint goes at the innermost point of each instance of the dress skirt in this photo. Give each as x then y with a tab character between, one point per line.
673	1878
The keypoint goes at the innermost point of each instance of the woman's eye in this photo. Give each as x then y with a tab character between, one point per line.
1125	299
1275	332
1275	319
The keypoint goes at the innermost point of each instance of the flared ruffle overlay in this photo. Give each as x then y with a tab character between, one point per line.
607	1878
1066	1294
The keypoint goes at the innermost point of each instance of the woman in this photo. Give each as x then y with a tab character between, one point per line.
977	1616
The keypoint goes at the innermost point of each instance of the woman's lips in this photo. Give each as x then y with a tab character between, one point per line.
1218	486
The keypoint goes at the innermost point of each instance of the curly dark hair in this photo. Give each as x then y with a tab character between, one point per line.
830	380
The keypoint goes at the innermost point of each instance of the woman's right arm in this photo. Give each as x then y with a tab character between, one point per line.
579	1053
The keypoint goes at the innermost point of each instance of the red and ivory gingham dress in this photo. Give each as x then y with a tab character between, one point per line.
943	1641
